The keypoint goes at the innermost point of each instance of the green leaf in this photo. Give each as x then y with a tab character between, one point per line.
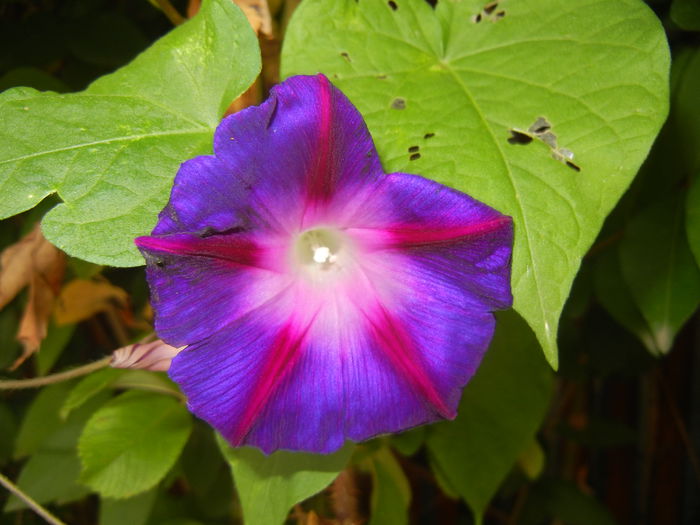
500	412
111	152
268	486
88	387
51	473
659	269
409	442
391	492
146	380
57	338
692	218
42	419
49	476
685	115
130	443
8	424
207	473
437	80
32	77
616	297
531	460
134	510
686	13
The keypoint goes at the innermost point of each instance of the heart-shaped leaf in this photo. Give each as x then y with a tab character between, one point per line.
111	152
579	88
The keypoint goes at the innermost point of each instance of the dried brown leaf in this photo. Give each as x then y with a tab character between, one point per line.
33	262
258	14
18	262
81	299
256	11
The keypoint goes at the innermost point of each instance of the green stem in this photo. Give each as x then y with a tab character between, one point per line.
31	503
11	384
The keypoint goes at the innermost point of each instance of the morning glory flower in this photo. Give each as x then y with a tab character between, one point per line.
319	298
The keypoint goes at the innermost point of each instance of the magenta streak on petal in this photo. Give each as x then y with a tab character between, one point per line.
282	357
398	347
320	185
406	238
229	248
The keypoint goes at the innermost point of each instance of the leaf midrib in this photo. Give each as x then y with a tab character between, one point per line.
519	208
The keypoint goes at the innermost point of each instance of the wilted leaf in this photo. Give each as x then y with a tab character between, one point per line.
33	262
258	14
440	83
81	299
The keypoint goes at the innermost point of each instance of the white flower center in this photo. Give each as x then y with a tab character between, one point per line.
322	254
320	251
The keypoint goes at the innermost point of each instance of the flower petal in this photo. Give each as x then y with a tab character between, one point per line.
305	146
304	374
200	286
445	239
206	198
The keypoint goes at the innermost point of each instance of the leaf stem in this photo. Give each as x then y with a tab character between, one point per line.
31	503
11	384
168	10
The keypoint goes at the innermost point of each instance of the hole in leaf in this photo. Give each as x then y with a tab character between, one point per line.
428	135
488	12
413	149
432	3
549	138
541	130
393	5
540	126
346	56
398	103
518	137
490	7
415	156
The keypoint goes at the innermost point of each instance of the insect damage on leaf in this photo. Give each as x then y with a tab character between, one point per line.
489	12
541	130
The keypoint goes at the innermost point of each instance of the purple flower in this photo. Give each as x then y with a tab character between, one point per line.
320	299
